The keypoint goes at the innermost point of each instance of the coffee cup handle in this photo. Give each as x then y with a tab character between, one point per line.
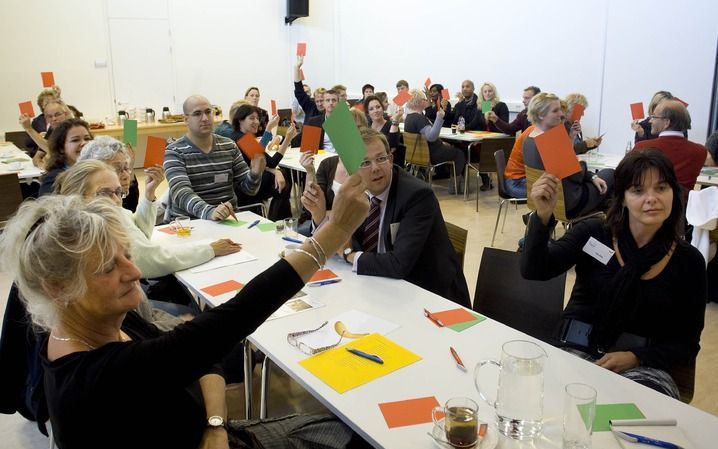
434	411
476	379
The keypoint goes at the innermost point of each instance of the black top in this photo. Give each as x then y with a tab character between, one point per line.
466	108
479	123
47	182
430	113
670	308
145	393
415	122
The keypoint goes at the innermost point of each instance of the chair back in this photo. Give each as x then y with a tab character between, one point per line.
487	148
500	160
11	196
532	175
458	237
18	138
502	294
417	149
685	378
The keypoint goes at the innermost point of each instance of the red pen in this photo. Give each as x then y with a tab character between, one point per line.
430	316
456	357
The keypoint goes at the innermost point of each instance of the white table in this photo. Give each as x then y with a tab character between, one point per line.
14	160
291	161
596	160
435	375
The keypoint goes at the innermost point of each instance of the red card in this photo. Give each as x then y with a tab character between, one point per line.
311	135
409	412
274	108
223	287
48	79
359	106
577	112
323	275
445	94
427	83
249	145
453	316
681	101
171	230
155	152
557	153
26	108
637	111
301	75
301	49
402	98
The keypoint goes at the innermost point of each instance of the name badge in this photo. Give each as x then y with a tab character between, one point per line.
224	177
598	250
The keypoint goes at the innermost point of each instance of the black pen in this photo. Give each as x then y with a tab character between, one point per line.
372	357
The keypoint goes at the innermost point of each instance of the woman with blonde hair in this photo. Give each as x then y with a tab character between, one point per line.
488	92
580	145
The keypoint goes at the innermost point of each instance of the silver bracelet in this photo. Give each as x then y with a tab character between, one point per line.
318	248
301	251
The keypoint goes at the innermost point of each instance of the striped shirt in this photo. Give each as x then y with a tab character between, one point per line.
199	182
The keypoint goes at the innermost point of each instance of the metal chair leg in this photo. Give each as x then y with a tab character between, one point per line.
247	380
506	212
264	389
498	216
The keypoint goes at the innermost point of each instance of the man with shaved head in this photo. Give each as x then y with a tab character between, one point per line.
669	122
203	168
467	107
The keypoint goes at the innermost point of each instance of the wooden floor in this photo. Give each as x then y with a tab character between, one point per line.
286	396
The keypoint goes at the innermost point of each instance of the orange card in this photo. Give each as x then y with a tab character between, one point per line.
402	98
301	49
274	108
637	111
301	75
155	153
427	83
323	275
311	135
678	99
171	230
453	316
445	94
249	145
223	287
409	412
48	79
359	106
557	153
26	108
577	112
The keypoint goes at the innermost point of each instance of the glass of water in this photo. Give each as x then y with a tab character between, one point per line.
578	414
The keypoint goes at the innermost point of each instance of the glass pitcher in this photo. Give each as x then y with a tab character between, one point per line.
519	397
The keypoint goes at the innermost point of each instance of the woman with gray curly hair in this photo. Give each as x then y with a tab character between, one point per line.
122	158
105	366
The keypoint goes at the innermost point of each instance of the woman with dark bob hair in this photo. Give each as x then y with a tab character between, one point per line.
113	379
65	145
638	302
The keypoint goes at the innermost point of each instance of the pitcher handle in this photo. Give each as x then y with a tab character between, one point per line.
476	379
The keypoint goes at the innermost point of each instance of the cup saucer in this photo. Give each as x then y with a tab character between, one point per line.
491	439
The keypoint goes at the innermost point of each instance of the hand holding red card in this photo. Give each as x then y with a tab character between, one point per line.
557	153
301	49
26	108
637	111
577	112
445	94
402	98
311	136
249	145
48	79
427	83
155	153
274	108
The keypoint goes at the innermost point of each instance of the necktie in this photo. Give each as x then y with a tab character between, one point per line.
371	226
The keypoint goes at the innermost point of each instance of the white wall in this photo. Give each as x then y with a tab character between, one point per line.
614	52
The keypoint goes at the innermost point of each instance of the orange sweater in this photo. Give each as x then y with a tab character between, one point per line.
515	164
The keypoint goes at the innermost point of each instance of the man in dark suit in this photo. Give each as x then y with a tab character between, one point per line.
404	236
670	120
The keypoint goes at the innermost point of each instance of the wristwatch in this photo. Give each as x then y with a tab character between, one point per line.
594	177
215	422
346	253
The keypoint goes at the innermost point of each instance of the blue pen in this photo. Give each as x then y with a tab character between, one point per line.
289	239
327	282
634	438
372	357
254	223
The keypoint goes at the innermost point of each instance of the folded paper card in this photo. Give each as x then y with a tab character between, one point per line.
408	412
402	98
345	137
637	111
129	132
458	327
223	287
606	412
557	153
26	108
155	153
343	371
323	275
48	79
249	145
311	136
454	316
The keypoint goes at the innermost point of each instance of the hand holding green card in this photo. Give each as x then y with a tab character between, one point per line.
345	137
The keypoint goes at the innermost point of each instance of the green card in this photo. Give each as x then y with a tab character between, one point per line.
266	227
485	106
604	412
345	137
458	327
232	222
129	133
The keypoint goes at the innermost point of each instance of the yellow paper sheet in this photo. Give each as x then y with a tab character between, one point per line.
342	370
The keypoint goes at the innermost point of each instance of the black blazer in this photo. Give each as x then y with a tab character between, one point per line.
420	251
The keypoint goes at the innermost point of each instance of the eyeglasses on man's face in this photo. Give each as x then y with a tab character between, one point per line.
109	193
199	114
654	117
293	339
381	160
